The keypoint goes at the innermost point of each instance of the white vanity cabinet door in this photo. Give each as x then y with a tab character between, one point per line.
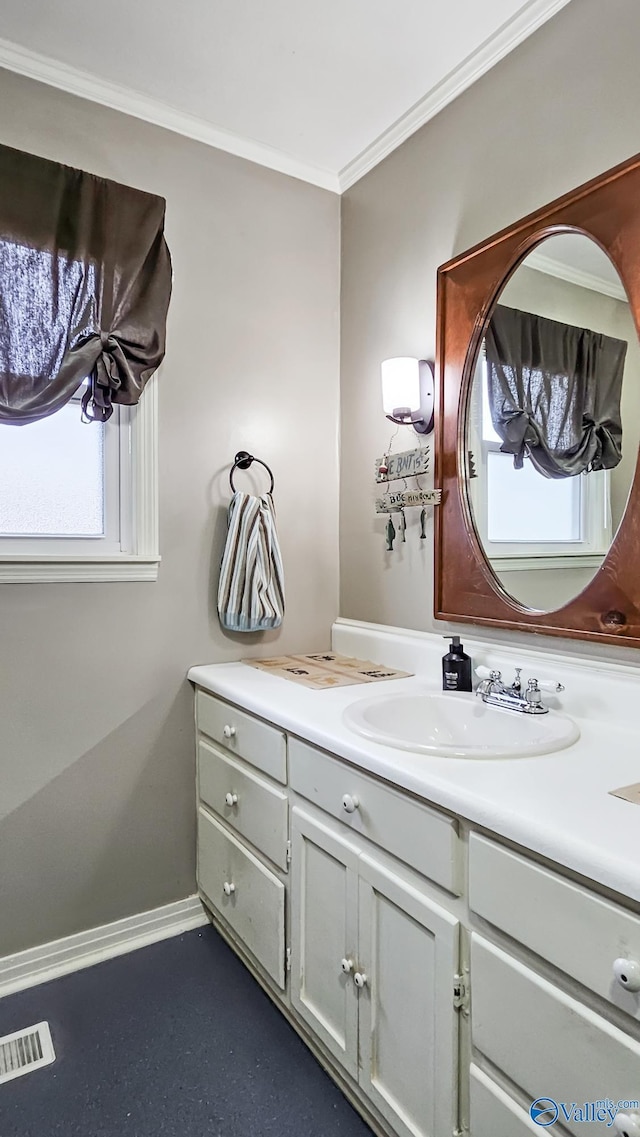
545	1041
410	830
248	804
244	892
259	743
408	952
563	922
495	1114
324	929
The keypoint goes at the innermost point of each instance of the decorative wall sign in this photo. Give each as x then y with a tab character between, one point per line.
406	464
393	502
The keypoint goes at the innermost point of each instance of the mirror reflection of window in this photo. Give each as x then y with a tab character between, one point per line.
545	538
522	515
555	512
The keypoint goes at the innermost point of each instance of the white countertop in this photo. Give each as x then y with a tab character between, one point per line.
557	805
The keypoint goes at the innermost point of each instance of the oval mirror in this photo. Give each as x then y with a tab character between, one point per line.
553	422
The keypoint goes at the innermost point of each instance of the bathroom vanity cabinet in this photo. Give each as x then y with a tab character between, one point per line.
243	827
372	966
443	977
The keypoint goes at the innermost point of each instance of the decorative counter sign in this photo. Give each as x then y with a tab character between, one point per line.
404	465
326	669
392	502
628	793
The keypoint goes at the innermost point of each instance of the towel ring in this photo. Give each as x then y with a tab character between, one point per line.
242	461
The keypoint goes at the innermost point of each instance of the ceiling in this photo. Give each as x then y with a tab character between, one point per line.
319	90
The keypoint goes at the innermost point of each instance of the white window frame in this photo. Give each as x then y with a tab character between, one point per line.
521	556
139	557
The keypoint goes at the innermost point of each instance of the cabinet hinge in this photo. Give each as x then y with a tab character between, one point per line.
461	992
288	959
288	852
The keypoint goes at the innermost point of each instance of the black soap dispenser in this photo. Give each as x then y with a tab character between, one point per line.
456	668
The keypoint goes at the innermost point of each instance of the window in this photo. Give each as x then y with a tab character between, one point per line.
78	501
85	285
524	519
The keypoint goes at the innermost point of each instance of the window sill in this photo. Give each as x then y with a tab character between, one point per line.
38	568
563	561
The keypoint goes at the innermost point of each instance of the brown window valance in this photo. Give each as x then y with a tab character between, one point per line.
85	282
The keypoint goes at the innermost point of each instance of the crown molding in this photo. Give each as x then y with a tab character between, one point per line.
572	275
512	33
44	69
76	82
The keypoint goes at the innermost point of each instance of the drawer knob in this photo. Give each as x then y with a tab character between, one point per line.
349	803
627	1124
229	731
228	888
231	799
627	972
347	966
360	979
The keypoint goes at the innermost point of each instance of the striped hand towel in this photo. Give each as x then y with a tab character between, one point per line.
251	587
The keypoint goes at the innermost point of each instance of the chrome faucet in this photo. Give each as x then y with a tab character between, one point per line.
528	701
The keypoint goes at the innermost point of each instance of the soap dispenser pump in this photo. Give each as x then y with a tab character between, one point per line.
456	668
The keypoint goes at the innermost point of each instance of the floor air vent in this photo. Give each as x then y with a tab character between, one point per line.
25	1051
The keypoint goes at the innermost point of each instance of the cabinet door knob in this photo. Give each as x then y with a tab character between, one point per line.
627	1124
229	731
360	979
349	803
228	888
347	966
627	972
231	799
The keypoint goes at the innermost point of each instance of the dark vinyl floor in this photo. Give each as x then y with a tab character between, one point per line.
173	1040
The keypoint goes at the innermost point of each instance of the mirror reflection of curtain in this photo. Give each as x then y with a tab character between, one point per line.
554	393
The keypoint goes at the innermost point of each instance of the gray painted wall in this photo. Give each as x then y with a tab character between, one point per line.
96	736
557	111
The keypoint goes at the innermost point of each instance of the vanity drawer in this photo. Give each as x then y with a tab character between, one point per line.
546	1042
494	1113
561	921
259	812
260	744
252	904
416	834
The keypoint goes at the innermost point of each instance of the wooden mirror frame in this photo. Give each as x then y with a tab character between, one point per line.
607	209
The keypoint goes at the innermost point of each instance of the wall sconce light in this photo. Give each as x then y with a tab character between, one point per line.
407	392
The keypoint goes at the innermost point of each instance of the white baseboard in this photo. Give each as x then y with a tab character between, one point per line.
48	961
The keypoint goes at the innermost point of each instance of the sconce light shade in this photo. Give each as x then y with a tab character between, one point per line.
407	392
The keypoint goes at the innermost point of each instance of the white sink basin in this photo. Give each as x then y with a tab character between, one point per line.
458	725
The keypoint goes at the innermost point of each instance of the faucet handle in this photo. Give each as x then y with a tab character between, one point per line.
533	694
551	685
487	673
535	687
